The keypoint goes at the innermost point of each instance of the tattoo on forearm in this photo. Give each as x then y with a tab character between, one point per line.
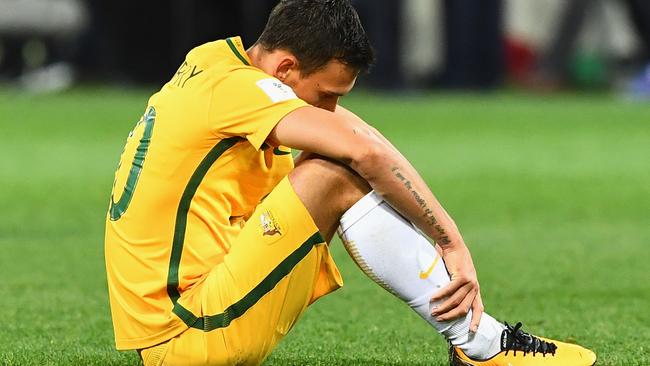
441	236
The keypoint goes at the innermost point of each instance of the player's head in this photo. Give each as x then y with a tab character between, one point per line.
318	47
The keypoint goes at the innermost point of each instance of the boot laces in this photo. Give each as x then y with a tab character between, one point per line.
515	339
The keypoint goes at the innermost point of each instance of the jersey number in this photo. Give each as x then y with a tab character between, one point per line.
117	209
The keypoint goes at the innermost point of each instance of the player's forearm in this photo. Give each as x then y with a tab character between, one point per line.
348	114
399	183
395	179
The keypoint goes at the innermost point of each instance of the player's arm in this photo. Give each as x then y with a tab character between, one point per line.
344	112
346	138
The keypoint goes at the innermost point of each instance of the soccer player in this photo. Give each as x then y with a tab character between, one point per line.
216	242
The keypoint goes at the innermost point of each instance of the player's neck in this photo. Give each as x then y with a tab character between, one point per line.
277	62
256	54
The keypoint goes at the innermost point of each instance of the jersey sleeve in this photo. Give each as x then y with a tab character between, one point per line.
249	103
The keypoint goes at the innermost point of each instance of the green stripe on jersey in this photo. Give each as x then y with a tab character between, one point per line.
236	51
183	208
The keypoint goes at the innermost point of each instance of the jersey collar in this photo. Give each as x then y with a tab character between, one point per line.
237	48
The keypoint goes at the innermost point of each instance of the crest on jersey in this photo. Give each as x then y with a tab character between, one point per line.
270	225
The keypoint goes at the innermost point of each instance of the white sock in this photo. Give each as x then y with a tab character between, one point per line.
398	257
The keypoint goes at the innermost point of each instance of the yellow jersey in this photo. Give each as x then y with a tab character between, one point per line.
194	167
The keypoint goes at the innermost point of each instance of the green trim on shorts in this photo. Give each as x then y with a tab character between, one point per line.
279	152
211	322
181	214
236	52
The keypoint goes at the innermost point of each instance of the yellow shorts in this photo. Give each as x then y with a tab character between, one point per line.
277	266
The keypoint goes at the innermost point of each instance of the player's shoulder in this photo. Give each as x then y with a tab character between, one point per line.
231	75
252	83
226	62
218	50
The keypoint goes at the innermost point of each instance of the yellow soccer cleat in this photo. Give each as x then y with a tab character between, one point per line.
519	348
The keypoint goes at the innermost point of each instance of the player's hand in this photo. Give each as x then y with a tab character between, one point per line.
463	292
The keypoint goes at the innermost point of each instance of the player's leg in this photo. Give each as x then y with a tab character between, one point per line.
398	257
397	251
327	189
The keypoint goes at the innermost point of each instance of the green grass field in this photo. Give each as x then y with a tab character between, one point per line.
552	195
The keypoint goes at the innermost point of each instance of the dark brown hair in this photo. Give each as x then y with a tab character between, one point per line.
317	31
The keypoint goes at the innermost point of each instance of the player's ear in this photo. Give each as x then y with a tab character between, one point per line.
287	67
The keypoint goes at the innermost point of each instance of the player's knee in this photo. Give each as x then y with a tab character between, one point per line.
327	183
329	177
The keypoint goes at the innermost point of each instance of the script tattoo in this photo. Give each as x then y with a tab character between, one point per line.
441	236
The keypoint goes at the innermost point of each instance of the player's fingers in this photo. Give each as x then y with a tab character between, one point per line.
452	301
477	312
447	291
461	309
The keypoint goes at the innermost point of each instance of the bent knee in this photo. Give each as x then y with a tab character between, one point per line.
327	189
327	175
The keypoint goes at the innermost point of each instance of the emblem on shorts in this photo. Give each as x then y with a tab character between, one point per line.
270	225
